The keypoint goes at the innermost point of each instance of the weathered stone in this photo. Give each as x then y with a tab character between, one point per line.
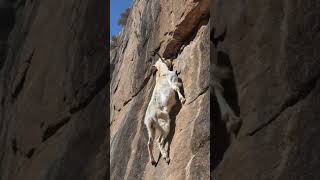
52	89
149	25
273	47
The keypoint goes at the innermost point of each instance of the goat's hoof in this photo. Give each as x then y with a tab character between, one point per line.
159	139
167	160
161	144
153	163
182	100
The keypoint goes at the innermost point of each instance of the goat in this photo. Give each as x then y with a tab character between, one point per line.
228	116
219	73
162	100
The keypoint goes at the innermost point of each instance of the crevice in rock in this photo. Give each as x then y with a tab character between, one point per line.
116	88
145	82
126	102
91	90
30	153
16	150
21	77
145	41
185	31
52	129
192	35
125	46
14	145
200	94
291	101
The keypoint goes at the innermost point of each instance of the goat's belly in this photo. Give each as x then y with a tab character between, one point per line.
167	97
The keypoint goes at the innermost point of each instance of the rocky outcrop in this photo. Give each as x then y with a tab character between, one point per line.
180	31
273	47
53	78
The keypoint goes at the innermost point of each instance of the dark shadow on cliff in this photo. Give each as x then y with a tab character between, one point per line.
217	39
230	92
7	21
220	137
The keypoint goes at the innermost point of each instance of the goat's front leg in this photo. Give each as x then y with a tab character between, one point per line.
233	122
177	89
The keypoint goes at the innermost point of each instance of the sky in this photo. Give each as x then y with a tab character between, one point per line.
116	8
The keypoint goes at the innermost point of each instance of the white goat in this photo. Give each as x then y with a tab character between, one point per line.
162	100
219	73
232	122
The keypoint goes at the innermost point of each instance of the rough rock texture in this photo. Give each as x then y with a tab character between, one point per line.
53	77
274	50
179	29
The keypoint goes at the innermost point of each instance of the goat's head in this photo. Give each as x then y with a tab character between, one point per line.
163	64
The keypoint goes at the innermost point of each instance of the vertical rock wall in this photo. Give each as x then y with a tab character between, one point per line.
53	79
180	31
273	47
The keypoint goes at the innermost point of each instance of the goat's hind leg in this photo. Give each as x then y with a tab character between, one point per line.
162	144
233	122
164	127
151	133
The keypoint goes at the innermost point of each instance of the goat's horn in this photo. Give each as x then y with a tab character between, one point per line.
159	56
156	53
152	52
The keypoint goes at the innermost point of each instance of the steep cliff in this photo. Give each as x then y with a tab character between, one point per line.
274	50
179	29
54	73
53	77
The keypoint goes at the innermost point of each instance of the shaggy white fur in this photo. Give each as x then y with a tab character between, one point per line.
160	105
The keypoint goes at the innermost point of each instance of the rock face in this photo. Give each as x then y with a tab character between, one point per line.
273	47
53	77
179	29
54	73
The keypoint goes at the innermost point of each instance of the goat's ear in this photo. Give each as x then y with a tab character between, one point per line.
168	63
153	70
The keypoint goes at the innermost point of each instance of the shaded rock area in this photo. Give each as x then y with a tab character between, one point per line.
53	85
273	47
179	30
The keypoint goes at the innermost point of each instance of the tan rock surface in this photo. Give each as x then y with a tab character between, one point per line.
132	87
